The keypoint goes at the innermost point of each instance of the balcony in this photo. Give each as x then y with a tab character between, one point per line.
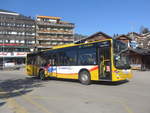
55	32
48	45
56	24
50	38
44	46
16	37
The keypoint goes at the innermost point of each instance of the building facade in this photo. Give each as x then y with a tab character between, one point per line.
139	55
143	40
51	31
17	35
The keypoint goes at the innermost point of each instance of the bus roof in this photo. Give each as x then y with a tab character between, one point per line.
73	44
63	46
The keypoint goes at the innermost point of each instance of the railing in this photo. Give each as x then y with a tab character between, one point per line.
48	45
55	38
44	45
14	37
56	24
55	32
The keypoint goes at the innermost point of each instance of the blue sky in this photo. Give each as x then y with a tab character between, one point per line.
89	16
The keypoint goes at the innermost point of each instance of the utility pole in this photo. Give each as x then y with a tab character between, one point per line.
3	55
132	28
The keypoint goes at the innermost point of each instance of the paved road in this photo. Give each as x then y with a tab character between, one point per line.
22	94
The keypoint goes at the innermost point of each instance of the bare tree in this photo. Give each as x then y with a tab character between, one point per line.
144	30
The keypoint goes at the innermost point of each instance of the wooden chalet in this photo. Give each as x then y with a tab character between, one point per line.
124	39
139	57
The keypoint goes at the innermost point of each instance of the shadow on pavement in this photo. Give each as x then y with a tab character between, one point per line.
2	103
63	80
18	87
93	82
110	83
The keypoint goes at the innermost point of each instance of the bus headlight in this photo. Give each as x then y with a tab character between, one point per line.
126	71
117	75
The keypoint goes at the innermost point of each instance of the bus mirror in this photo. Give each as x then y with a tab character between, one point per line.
117	57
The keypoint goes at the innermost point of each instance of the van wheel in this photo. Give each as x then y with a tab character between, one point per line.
84	77
42	75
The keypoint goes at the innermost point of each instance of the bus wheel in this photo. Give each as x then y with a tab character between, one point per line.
42	75
84	77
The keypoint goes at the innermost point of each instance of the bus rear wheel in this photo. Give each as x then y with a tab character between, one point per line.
84	77
42	75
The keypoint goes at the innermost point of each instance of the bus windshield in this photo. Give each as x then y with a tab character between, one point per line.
121	59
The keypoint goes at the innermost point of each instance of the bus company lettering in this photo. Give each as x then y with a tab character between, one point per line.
65	67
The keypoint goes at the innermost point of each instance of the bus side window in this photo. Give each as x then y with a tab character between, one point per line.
61	58
67	58
87	59
52	59
87	56
28	60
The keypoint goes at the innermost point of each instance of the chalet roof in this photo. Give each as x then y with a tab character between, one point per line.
99	33
127	37
2	11
146	34
92	36
140	51
134	33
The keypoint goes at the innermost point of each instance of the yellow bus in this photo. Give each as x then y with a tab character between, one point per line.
105	60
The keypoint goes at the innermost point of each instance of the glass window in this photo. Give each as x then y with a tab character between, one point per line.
105	52
52	59
68	58
12	41
30	59
1	49
121	59
61	58
87	56
119	46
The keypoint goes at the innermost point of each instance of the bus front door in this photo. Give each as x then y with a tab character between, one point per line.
104	63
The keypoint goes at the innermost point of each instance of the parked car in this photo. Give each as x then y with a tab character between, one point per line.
8	64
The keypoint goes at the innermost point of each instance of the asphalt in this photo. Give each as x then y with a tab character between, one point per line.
20	93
